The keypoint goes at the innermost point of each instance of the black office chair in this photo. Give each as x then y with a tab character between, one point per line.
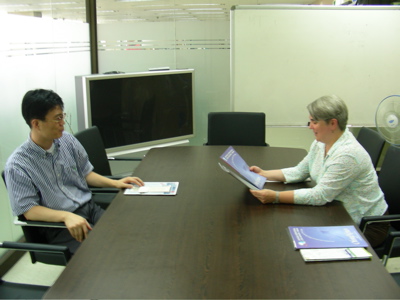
372	142
12	290
31	230
236	128
389	182
396	277
92	141
392	240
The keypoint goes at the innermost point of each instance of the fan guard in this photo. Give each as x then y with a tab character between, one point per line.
387	119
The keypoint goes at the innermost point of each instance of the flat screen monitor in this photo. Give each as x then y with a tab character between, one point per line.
137	110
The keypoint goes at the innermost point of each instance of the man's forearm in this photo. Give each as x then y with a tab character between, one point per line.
94	179
44	214
76	225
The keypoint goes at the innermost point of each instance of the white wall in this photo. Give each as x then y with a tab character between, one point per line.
284	57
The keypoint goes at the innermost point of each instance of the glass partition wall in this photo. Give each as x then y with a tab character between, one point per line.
39	48
145	35
46	43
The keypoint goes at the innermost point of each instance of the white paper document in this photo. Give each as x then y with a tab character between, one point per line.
154	188
334	254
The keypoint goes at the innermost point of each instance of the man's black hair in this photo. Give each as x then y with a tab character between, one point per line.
37	103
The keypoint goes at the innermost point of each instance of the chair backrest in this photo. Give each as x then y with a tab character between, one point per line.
33	235
93	143
4	177
389	180
13	290
372	142
236	128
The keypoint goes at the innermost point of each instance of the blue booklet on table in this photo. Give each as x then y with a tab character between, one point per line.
232	163
307	237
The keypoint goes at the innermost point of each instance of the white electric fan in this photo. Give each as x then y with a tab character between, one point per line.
387	119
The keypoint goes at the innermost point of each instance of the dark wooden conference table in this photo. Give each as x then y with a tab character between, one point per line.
213	240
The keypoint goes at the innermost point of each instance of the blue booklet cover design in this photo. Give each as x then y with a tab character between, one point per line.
326	237
241	170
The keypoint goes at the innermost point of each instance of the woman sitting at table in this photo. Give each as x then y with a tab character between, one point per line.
339	165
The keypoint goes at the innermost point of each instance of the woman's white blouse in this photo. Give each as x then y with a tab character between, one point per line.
345	174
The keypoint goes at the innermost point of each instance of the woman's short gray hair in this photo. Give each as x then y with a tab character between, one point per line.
327	108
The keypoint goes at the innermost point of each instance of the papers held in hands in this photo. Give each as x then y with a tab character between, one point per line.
154	188
232	163
326	237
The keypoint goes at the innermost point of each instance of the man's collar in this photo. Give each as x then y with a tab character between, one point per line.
39	150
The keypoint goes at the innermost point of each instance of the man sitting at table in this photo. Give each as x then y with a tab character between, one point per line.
340	166
48	176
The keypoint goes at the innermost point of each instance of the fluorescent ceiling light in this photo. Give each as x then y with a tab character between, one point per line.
132	0
204	9
57	3
202	4
207	13
165	10
14	5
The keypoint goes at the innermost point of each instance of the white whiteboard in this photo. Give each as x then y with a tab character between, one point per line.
284	57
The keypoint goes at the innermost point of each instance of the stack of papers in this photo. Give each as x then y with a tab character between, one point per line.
334	254
306	237
154	188
325	243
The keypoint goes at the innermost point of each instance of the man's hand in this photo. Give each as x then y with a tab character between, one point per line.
97	180
128	182
77	226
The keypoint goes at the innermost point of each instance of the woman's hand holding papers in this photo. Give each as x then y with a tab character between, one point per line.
271	175
269	196
265	196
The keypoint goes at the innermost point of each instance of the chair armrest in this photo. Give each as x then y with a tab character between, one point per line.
39	223
63	250
115	177
389	246
393	235
374	219
33	247
97	190
125	159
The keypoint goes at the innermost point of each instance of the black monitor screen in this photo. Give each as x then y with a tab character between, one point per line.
140	109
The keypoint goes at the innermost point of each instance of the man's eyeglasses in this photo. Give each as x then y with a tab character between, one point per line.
60	118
